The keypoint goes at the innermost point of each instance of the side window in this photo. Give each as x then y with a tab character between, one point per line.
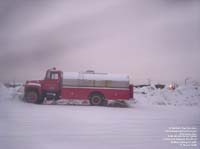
61	75
48	75
54	76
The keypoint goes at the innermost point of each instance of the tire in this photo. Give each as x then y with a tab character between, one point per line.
33	97
97	100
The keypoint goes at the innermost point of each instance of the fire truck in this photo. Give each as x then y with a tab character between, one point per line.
96	88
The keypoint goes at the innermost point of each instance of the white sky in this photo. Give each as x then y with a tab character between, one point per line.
148	39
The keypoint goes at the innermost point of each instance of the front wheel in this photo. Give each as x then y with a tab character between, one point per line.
33	97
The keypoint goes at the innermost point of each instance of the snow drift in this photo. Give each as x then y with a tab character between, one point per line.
5	93
182	96
10	94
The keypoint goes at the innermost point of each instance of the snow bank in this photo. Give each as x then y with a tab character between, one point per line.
181	96
9	94
5	93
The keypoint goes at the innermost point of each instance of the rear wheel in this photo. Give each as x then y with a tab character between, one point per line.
97	100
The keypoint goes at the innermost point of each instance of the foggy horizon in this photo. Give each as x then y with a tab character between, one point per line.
147	39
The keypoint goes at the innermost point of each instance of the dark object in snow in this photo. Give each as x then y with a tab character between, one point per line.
121	104
159	86
143	93
140	86
12	85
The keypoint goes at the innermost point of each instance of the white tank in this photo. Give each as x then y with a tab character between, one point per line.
92	79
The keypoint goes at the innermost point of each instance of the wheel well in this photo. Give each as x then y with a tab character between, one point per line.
96	93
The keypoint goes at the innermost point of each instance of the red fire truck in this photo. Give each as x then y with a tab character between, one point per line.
97	88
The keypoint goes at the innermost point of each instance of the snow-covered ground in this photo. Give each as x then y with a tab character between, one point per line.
142	125
182	96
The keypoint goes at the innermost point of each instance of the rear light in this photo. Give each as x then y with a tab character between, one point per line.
131	90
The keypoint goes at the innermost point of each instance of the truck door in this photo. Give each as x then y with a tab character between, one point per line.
52	82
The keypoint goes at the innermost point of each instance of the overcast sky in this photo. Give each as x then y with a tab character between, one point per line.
147	39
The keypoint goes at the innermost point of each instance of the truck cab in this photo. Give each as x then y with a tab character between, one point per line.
52	83
50	87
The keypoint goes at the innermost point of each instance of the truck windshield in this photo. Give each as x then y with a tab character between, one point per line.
52	75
